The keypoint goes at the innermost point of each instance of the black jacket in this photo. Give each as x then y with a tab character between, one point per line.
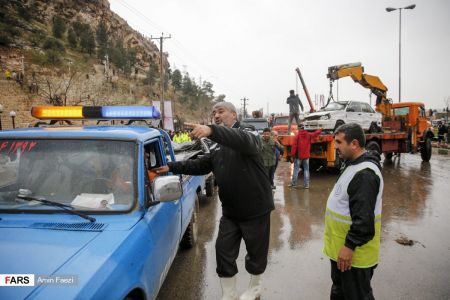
362	190
244	185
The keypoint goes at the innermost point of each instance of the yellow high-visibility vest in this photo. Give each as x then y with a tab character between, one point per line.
338	220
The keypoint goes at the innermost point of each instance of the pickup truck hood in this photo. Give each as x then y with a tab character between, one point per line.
37	251
43	248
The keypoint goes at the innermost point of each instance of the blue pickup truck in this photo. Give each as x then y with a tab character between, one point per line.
81	215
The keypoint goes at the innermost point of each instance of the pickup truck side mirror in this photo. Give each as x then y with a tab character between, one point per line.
167	188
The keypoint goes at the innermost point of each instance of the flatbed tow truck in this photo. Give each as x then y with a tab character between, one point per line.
405	128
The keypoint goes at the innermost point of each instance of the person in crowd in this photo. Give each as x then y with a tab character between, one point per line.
8	74
353	217
268	154
442	131
294	108
245	193
300	153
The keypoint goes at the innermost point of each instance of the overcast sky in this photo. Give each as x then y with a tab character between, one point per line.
250	48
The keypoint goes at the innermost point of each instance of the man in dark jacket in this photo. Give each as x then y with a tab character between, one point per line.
294	111
442	131
245	193
353	217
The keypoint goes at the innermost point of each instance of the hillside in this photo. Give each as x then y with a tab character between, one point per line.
81	53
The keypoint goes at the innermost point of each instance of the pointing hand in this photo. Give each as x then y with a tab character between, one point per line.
199	131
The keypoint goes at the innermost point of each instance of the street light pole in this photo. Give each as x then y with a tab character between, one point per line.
1	110
389	9
12	114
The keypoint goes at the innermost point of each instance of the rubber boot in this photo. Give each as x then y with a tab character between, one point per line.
254	289
228	288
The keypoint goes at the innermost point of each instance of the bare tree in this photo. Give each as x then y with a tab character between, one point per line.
55	90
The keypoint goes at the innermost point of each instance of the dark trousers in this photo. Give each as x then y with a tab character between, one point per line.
271	171
353	284
293	115
255	233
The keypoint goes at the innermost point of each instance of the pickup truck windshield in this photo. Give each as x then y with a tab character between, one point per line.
259	125
281	121
89	175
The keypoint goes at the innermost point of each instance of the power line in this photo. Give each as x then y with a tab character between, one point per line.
161	28
177	44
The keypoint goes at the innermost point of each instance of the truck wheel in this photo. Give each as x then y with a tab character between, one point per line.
372	145
190	235
425	150
338	123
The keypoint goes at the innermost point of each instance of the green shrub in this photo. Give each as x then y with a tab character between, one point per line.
53	44
53	57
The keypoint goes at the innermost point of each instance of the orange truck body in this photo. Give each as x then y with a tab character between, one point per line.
280	125
407	130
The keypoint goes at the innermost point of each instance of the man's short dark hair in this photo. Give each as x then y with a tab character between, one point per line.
266	130
291	91
352	132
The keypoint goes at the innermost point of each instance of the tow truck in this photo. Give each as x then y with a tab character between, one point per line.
82	216
405	128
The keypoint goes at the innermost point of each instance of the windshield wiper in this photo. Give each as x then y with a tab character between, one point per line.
65	207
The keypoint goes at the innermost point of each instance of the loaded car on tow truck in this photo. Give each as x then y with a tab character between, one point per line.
404	127
81	203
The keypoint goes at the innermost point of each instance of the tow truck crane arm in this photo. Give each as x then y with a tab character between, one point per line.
376	86
305	89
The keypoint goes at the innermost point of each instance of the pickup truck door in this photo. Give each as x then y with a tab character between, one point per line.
163	219
189	199
189	183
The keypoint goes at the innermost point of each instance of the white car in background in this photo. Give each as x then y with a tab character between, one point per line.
341	112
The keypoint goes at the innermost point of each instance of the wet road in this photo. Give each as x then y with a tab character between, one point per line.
416	205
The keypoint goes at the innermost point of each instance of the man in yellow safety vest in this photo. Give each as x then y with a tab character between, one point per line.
353	217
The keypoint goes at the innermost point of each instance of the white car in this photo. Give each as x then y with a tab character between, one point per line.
337	113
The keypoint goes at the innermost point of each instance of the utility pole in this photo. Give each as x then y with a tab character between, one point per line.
23	65
244	104
161	73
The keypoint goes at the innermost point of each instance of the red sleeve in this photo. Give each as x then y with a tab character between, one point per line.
294	146
315	133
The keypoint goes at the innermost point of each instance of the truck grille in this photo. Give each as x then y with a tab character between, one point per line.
70	226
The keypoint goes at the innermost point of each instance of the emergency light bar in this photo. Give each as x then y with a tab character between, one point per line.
95	112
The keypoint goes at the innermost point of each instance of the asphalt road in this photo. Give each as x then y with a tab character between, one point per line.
416	206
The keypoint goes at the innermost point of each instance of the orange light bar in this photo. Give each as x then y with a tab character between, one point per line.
57	112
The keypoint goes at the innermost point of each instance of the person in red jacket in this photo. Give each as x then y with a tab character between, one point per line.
300	154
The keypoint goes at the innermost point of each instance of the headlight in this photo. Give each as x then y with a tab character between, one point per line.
325	117
292	133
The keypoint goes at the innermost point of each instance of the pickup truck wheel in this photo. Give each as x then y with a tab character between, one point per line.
338	123
190	235
372	145
425	150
